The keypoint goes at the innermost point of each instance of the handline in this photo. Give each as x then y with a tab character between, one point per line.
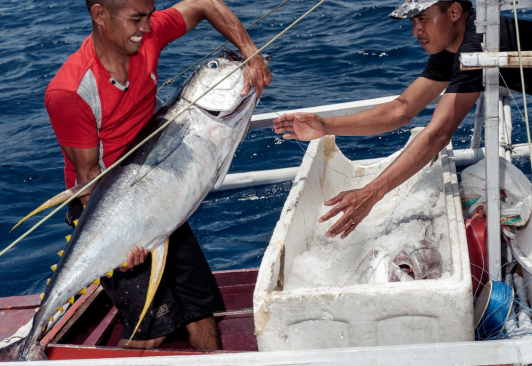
171	81
159	129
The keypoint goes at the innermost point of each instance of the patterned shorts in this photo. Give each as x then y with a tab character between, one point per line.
188	291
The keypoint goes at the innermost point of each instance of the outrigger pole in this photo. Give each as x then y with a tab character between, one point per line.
487	23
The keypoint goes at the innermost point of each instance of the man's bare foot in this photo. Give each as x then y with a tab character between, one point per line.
148	344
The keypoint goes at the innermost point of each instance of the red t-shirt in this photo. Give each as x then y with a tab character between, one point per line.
86	109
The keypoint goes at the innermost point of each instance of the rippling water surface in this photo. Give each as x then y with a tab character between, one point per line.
344	51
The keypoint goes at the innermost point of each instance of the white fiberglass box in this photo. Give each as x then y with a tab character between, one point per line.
313	292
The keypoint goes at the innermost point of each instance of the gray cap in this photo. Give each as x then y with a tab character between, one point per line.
411	8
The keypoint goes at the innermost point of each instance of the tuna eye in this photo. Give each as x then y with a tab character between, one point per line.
212	65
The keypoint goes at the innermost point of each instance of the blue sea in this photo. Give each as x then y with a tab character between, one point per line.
344	51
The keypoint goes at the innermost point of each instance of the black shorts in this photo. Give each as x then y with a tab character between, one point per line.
188	291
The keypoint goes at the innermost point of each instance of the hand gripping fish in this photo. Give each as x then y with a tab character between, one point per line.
151	193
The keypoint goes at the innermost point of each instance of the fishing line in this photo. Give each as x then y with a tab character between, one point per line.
161	128
522	82
171	81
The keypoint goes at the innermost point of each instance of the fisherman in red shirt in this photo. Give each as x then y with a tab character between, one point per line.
98	102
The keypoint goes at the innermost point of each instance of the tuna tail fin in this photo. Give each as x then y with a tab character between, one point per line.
60	198
12	352
158	260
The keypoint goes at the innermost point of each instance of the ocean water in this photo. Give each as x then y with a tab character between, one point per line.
344	51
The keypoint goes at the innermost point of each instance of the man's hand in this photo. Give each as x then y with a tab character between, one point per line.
134	258
355	205
225	22
301	126
258	73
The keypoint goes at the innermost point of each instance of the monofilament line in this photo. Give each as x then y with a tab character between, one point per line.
522	83
171	81
159	129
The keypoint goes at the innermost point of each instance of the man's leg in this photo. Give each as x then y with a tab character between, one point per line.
194	288
203	334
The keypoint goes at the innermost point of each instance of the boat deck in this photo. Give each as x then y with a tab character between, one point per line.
91	328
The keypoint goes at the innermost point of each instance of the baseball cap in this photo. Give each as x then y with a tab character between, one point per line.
411	8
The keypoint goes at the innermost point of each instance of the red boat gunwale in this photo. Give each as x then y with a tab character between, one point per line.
78	335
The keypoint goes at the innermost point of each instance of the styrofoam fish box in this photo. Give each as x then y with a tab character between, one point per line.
343	314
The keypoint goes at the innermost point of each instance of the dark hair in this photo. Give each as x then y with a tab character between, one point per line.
112	5
467	6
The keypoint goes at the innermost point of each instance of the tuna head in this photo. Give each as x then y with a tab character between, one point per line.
226	97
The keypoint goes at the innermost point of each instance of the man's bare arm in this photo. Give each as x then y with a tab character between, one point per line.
226	22
86	162
382	118
357	204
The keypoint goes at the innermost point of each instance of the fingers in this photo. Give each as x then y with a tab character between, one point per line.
247	85
136	256
335	200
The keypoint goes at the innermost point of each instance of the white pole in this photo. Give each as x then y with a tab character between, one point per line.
502	135
491	112
507	110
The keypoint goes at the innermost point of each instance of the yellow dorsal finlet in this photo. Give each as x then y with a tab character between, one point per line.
60	253
42	296
54	267
47	282
68	237
75	222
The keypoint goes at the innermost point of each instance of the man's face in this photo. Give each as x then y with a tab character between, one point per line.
124	29
434	30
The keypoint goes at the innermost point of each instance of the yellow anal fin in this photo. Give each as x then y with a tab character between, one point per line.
109	274
158	260
60	198
83	291
123	265
71	300
96	281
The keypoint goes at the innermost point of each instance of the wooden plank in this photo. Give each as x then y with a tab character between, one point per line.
102	328
12	320
517	351
486	60
72	314
71	353
236	277
20	302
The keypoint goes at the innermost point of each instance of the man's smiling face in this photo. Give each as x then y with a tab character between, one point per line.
434	29
127	25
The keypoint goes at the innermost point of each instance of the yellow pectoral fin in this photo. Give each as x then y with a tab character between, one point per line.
158	260
60	198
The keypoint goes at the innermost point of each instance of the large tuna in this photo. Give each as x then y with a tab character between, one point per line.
154	191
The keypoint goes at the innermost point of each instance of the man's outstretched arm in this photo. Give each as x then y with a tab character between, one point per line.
226	22
356	204
379	119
